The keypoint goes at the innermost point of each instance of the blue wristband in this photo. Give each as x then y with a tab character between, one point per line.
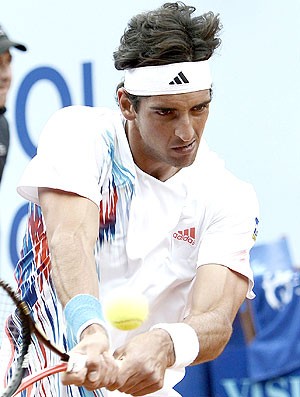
82	311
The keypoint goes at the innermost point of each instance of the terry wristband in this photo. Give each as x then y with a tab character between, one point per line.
185	342
81	311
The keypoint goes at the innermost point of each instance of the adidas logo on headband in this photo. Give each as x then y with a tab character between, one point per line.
179	79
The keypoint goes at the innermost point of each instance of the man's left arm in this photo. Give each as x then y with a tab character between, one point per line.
217	295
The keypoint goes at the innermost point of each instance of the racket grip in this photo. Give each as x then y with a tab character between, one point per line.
76	362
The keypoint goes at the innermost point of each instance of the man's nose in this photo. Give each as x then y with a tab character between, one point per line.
5	73
184	129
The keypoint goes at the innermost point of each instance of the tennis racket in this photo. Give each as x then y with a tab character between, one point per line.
21	327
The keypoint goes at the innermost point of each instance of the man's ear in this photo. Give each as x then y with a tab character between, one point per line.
126	106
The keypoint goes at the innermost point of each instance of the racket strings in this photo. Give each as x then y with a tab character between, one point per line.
7	308
17	364
24	316
17	329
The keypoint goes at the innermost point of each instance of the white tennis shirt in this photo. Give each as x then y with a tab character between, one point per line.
153	235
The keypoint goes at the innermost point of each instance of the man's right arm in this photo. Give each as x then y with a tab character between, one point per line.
72	229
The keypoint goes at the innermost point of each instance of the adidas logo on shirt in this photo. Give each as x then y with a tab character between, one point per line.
186	235
179	79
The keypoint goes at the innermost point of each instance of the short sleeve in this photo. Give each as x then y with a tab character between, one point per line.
71	153
232	228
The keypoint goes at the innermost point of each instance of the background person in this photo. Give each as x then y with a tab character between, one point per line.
135	198
5	82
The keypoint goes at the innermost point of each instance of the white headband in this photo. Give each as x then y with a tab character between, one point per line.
174	78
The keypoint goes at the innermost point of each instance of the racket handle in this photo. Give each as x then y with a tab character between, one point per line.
31	379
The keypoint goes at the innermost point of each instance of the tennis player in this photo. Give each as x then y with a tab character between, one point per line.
135	198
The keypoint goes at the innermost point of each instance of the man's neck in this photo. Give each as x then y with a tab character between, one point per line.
2	100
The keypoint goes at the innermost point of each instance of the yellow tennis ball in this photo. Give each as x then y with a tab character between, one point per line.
126	310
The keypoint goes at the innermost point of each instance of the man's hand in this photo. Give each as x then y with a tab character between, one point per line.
101	369
143	362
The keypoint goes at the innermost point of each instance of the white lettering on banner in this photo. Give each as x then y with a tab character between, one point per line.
238	388
279	288
295	386
280	387
277	388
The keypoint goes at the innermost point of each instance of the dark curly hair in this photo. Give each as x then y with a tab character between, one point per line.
166	35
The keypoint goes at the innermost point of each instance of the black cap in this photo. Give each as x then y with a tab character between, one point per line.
6	43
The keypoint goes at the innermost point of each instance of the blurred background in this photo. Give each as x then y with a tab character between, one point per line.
253	120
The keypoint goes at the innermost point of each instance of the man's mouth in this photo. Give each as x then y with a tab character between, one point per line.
185	148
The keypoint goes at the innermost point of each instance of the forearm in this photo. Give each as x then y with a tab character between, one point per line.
73	266
214	330
217	295
72	229
199	338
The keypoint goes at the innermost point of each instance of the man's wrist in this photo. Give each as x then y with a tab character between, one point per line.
166	342
185	342
92	329
82	311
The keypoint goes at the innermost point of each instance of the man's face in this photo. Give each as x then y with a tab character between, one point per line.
5	76
166	131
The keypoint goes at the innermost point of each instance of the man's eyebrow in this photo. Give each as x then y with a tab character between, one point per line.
203	103
162	107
